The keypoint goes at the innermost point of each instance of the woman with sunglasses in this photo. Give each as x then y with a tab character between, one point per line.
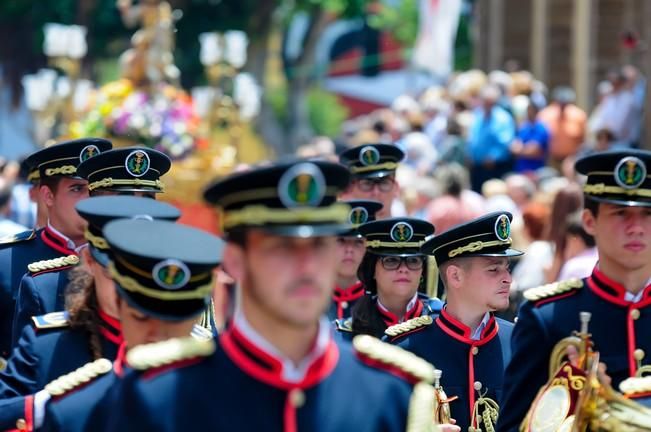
393	273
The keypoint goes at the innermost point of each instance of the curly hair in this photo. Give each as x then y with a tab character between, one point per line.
82	307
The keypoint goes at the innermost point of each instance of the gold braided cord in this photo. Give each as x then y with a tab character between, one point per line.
383	166
53	263
605	173
117	166
97	241
261	215
108	182
422	405
601	188
148	275
477	246
379	243
133	285
261	193
62	170
34	175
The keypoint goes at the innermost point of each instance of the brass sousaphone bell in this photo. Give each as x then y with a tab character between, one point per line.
577	399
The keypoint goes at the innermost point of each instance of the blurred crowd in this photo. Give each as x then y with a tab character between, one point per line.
503	142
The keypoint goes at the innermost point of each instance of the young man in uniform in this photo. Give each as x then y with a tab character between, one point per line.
60	189
617	213
164	277
128	171
59	342
351	247
466	341
373	169
277	367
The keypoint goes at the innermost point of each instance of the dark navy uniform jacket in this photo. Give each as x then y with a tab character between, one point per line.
39	294
240	387
424	306
343	300
447	344
14	257
618	327
44	354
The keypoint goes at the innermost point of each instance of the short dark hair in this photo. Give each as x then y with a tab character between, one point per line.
575	228
591	205
51	182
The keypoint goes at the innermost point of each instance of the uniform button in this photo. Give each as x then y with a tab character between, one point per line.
474	350
297	397
21	425
638	354
344	305
635	314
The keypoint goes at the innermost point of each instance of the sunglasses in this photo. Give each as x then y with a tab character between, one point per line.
385	184
394	262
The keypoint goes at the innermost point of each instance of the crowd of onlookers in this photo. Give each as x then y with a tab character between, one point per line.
502	141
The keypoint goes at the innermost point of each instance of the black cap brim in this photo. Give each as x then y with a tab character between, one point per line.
620	202
505	253
374	174
182	310
305	231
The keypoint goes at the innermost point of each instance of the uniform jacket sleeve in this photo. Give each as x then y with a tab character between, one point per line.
28	305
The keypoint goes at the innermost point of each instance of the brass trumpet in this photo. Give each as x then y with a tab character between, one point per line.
442	414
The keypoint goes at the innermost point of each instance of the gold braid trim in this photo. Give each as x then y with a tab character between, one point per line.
552	289
80	376
97	241
108	182
383	166
64	261
394	356
62	170
163	353
477	246
34	175
422	406
601	188
261	215
133	285
408	325
379	243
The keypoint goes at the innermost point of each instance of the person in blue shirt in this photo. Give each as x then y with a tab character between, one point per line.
530	146
491	134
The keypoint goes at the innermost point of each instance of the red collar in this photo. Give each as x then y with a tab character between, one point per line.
612	291
353	292
120	360
110	328
391	319
266	368
462	332
56	241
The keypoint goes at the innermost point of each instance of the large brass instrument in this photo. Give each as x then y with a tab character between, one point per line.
442	414
597	406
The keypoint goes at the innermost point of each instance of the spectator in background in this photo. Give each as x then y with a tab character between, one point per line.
636	84
531	144
580	253
604	88
452	147
7	226
617	110
491	134
567	201
566	124
23	203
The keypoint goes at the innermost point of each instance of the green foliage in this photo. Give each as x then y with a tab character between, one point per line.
401	21
326	112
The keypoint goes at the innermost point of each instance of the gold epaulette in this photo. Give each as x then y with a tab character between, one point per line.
17	238
64	261
167	352
394	356
635	386
552	289
421	406
74	379
344	325
201	333
409	325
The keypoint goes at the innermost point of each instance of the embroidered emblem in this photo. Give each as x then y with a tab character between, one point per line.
137	163
171	274
358	216
302	185
88	152
401	232
630	172
503	227
369	156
